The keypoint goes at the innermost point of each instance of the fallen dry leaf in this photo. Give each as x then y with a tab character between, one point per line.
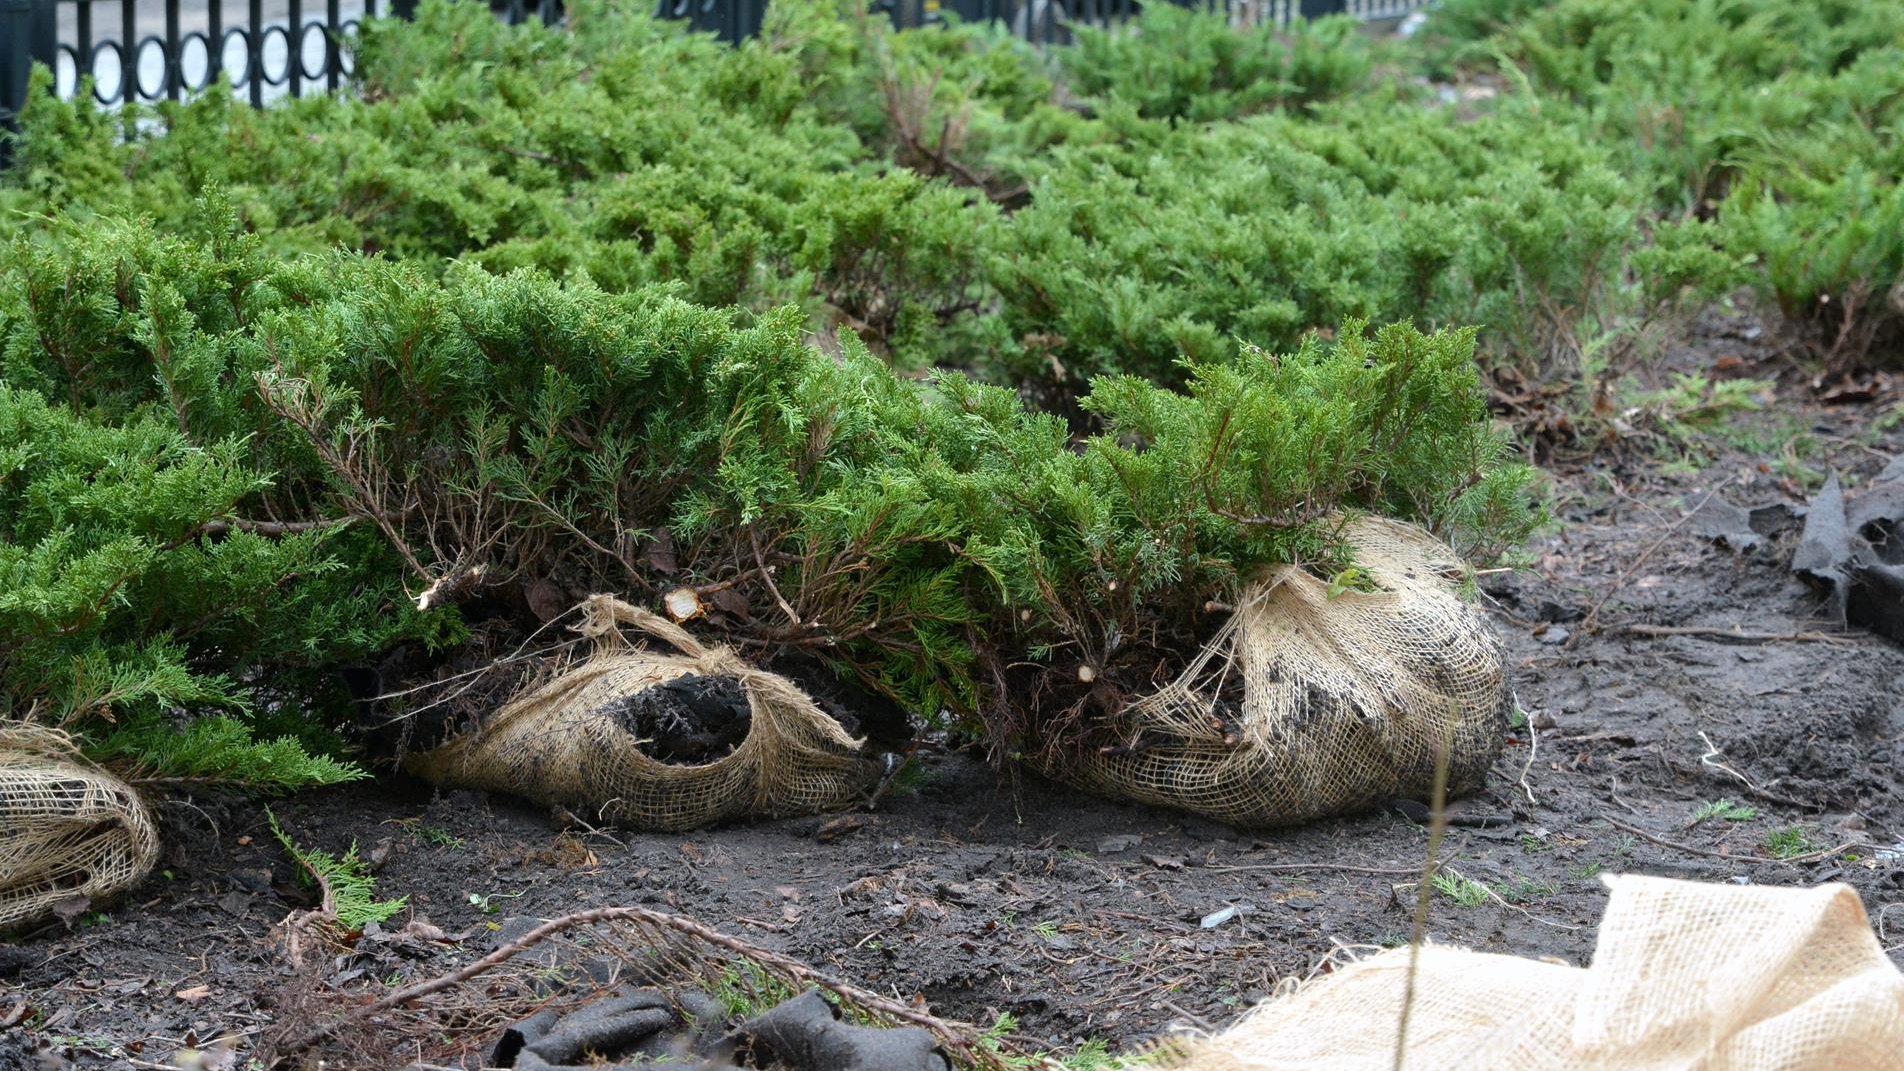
71	908
732	602
660	553
546	600
194	994
423	930
838	827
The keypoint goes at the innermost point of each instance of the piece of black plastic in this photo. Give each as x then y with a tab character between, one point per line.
806	1033
640	1029
1856	552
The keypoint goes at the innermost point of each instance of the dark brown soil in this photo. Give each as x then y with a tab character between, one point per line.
691	719
1080	916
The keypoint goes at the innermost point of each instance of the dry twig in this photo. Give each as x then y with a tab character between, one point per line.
1592	621
1299	868
1424	890
1808	857
1739	635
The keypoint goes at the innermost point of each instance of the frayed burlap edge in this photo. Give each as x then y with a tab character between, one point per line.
549	744
67	828
1350	696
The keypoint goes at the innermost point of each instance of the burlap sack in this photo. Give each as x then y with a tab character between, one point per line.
1686	977
557	744
67	828
1345	699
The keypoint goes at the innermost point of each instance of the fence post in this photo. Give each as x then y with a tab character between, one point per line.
403	9
909	14
14	62
1315	9
44	44
28	34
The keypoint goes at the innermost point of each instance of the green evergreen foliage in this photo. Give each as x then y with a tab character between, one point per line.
1178	63
351	889
952	195
221	750
1183	241
1778	118
148	572
618	308
925	536
875	177
624	150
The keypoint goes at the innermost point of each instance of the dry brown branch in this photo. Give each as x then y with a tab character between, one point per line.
1592	621
908	109
344	453
1300	868
766	576
269	529
300	926
1741	636
1808	857
1424	889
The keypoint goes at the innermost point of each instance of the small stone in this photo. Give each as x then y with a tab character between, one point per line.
1121	842
1473	813
1217	918
1413	810
250	880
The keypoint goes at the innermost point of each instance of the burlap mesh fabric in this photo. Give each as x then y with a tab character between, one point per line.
556	745
1685	977
67	828
1346	699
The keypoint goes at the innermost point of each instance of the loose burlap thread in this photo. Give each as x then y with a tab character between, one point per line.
555	745
67	828
1686	976
1348	696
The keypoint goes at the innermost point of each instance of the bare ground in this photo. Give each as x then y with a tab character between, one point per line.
1080	916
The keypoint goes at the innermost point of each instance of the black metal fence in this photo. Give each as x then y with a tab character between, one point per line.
150	50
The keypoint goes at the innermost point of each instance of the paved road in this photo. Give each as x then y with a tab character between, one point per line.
108	20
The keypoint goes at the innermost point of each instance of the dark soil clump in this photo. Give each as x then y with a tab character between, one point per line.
691	720
859	710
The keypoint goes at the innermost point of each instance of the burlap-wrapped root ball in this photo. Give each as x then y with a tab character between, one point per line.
1685	976
67	828
600	737
1309	704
